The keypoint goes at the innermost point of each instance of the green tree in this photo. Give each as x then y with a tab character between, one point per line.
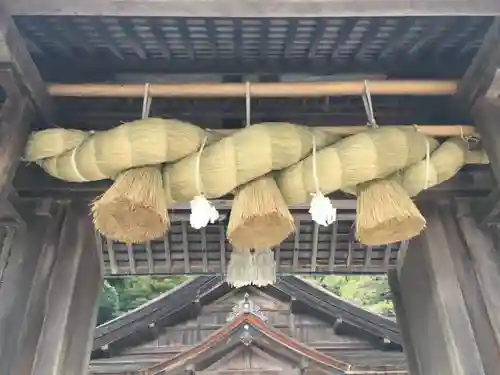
369	292
109	304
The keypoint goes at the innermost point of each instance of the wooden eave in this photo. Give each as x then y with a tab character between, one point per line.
187	300
321	300
243	322
180	301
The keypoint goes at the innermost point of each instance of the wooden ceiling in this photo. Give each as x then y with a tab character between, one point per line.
81	48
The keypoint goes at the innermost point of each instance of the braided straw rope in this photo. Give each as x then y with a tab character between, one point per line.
246	155
275	150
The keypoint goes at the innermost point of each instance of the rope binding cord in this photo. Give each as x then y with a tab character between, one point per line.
146	102
367	102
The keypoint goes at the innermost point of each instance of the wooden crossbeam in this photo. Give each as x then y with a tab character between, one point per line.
257	90
256	8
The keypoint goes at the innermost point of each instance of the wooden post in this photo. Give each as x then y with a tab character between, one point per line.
443	296
25	94
49	295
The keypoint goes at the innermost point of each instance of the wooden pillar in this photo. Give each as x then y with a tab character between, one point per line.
443	296
49	294
25	96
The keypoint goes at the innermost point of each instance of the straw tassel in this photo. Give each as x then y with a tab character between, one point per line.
265	267
241	270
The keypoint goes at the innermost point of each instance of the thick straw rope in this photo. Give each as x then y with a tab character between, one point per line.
235	160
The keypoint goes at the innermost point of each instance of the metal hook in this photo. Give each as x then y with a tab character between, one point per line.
146	102
247	103
367	102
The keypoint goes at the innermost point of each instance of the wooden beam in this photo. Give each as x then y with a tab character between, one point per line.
32	182
14	53
256	8
257	90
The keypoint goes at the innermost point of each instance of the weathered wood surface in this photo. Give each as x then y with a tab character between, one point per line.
447	302
29	260
15	118
72	299
482	76
478	92
49	293
482	259
403	323
256	8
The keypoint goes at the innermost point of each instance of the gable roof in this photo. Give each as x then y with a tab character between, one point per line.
246	329
186	300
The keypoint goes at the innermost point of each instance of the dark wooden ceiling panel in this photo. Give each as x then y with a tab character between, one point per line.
79	48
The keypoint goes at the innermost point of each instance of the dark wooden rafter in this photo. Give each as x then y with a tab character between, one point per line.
268	8
172	46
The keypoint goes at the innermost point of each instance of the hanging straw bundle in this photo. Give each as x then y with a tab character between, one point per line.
385	213
133	209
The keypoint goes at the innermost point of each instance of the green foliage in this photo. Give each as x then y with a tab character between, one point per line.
122	295
369	292
109	303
